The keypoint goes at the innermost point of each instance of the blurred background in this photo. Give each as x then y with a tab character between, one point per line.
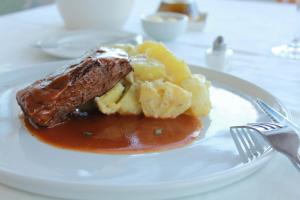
9	6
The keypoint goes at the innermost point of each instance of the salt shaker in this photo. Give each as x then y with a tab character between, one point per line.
219	55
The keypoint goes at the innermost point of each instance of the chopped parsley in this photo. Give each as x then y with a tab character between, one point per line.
157	131
87	133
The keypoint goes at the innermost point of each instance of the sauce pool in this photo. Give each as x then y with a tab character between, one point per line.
117	134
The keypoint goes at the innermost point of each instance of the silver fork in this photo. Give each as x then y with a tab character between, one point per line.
281	138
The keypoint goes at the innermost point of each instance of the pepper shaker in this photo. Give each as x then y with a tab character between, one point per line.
218	57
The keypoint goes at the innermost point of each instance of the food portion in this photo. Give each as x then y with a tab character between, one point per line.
119	99
198	86
161	99
129	104
49	101
107	103
148	69
160	86
176	69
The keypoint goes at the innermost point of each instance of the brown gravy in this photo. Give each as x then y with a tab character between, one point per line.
117	134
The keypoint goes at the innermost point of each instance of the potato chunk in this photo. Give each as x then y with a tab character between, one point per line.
108	103
130	78
176	69
164	99
129	103
147	69
199	88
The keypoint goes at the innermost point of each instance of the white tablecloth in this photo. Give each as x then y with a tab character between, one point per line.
251	28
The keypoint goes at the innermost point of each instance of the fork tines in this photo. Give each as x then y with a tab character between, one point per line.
249	143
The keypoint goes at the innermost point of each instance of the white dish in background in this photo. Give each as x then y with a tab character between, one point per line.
165	26
74	44
31	165
98	14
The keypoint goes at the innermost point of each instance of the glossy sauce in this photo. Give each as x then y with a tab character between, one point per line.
120	134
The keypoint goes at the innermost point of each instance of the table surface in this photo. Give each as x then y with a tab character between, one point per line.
251	28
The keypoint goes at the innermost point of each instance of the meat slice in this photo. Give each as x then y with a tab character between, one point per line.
49	101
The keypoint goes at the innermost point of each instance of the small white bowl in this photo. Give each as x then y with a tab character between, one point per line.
165	26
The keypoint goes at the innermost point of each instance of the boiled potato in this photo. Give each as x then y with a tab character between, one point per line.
147	69
108	103
176	69
160	86
129	79
199	88
129	103
161	99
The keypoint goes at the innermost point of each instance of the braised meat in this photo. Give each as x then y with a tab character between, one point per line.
49	101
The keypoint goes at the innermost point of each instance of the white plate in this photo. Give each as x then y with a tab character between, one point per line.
74	44
207	164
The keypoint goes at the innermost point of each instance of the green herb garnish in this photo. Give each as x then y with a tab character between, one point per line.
157	131
87	133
